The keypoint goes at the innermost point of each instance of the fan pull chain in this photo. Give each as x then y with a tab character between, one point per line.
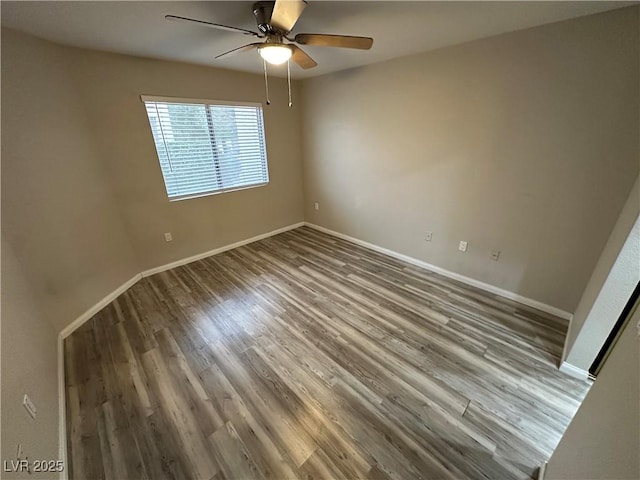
289	82
266	81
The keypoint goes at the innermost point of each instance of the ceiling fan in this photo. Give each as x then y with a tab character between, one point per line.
275	21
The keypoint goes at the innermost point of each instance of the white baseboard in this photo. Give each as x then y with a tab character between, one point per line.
542	471
62	412
455	276
215	251
565	344
574	371
69	329
77	323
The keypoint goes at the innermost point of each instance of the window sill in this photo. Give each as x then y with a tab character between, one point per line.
216	192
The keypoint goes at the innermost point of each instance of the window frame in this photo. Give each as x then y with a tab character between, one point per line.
206	102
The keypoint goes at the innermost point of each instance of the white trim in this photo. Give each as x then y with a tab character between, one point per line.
196	101
574	371
62	412
215	251
565	345
178	198
69	329
456	276
73	326
125	286
542	470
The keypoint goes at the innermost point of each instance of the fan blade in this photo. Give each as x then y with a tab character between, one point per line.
301	58
212	25
243	48
286	13
341	41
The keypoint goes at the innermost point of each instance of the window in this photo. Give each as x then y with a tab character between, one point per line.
207	147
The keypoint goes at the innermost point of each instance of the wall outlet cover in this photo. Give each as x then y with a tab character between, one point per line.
462	246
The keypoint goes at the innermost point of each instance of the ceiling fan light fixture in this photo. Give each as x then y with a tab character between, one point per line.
275	54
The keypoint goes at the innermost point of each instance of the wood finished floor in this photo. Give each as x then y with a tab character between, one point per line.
305	356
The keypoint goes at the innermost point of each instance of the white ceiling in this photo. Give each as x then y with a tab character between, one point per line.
399	28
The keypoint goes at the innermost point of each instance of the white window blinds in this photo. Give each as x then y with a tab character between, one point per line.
207	147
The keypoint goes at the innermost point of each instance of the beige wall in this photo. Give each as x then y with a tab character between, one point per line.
84	206
526	142
28	341
85	202
603	440
58	212
110	87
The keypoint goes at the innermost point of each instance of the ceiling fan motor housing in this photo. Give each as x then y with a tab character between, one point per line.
263	12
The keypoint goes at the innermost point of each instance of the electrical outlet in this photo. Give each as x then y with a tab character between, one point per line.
29	406
462	246
428	236
168	237
495	255
316	205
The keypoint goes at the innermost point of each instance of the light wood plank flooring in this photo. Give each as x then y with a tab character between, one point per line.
305	356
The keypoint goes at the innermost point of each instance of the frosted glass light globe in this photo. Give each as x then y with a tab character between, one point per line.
275	54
